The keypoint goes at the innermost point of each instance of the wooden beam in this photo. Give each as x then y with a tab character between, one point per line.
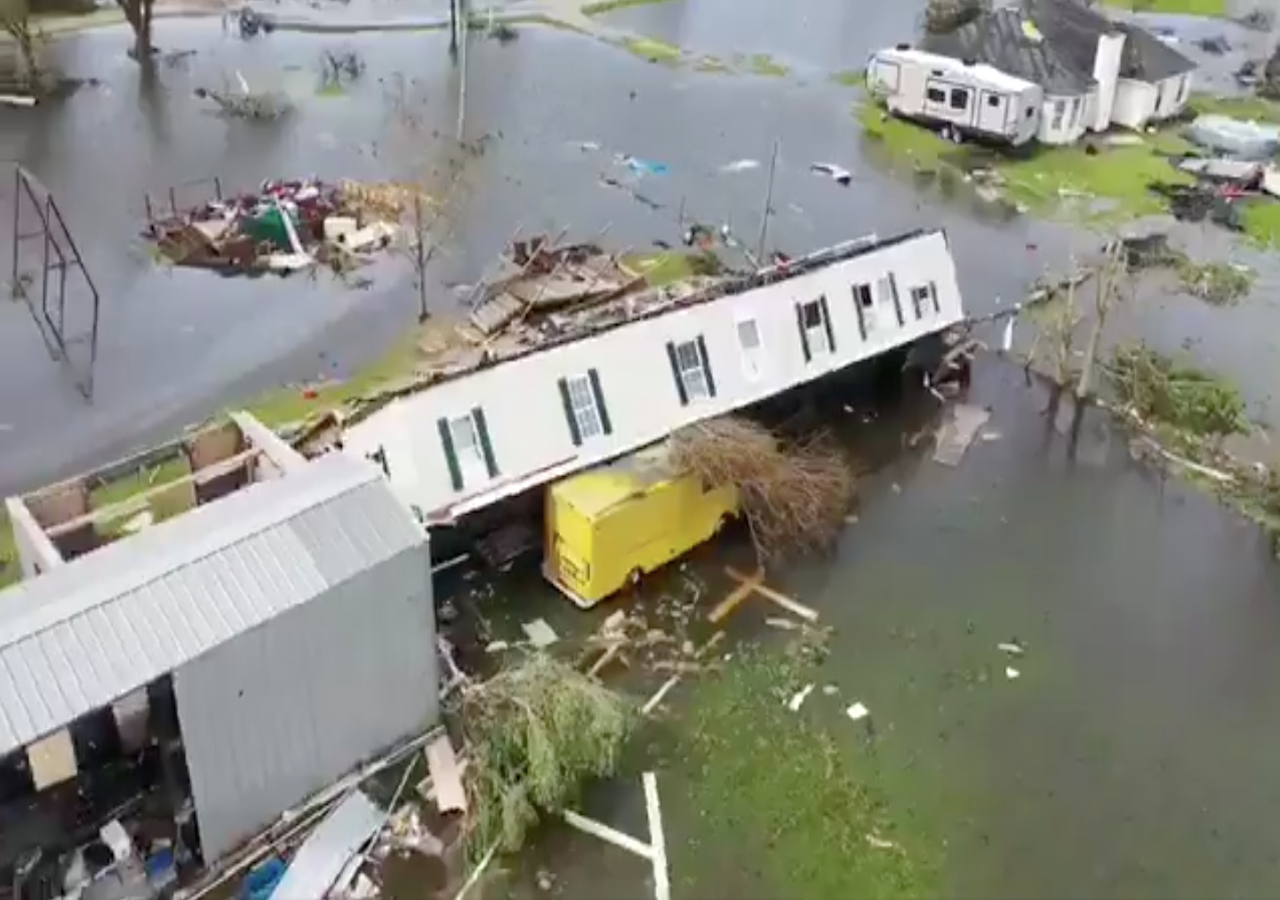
737	595
792	606
139	501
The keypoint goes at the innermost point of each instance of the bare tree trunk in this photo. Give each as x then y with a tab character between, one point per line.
1109	274
138	14
18	26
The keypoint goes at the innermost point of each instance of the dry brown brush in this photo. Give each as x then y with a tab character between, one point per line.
794	496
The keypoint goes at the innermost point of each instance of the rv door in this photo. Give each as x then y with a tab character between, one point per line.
993	112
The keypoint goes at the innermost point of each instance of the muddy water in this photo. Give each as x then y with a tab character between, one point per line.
1131	758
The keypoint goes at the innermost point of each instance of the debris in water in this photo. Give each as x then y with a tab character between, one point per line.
540	633
641	166
783	624
880	843
857	712
800	696
830	690
740	165
1011	673
1013	647
838	174
958	432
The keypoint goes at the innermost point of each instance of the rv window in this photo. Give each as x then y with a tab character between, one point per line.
993	100
936	95
959	98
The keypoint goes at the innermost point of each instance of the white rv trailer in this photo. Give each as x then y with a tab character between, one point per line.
973	98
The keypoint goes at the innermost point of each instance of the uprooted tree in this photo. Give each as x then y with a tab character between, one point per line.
794	496
536	733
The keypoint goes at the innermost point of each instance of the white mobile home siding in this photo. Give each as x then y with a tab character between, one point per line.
524	411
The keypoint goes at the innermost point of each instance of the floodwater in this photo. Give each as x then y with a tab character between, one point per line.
1131	758
1134	758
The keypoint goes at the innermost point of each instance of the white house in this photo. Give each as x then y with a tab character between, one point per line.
466	442
1095	72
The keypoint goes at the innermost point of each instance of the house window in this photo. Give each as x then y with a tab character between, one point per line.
864	305
920	301
936	95
1059	112
816	334
1182	88
1075	112
959	98
691	368
752	348
467	449
584	408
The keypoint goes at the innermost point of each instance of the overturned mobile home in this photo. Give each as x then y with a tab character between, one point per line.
232	638
525	406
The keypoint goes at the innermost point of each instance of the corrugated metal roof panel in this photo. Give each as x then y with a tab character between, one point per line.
103	625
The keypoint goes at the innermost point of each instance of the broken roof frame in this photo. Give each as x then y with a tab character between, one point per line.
721	287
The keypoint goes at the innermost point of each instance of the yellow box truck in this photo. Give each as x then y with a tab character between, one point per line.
609	526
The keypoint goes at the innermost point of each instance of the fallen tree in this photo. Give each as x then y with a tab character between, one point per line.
536	732
794	497
1160	390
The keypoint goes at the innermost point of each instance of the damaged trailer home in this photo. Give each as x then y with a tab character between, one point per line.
635	369
194	676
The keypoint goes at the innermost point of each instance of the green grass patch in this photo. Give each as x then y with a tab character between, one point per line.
142	479
764	64
296	403
653	50
10	574
1041	178
850	78
1209	8
606	6
775	805
667	267
1254	109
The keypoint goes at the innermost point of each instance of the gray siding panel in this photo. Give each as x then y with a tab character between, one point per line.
282	711
103	625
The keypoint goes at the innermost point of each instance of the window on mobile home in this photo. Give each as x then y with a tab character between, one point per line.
467	449
936	95
920	300
816	334
959	98
752	348
692	370
583	408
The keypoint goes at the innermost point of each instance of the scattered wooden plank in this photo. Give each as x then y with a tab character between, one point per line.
794	607
446	776
736	596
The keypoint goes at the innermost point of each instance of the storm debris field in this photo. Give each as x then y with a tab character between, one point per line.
283	227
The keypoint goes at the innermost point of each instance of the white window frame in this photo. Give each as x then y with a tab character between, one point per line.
1059	113
816	335
582	403
693	377
921	301
470	453
752	357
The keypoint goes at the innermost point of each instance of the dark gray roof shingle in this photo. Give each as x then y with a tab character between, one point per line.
1008	40
1053	42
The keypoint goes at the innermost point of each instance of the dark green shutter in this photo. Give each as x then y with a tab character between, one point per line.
485	446
706	366
605	425
933	295
897	301
857	306
675	372
568	413
826	323
804	338
450	456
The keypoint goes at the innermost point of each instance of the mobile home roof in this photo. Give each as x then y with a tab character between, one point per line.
989	74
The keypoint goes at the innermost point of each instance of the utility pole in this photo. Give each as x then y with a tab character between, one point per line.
768	204
462	67
420	256
453	27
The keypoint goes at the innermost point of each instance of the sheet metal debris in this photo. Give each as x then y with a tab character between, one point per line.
324	854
